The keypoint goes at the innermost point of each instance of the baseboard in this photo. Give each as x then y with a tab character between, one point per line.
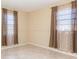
53	49
17	45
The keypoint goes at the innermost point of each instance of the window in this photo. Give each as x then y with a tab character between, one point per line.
9	27
64	20
63	27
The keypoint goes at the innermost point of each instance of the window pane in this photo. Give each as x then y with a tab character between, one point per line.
64	27
64	17
64	12
64	22
10	22
10	18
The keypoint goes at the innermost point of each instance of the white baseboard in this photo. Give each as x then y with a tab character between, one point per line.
53	49
17	45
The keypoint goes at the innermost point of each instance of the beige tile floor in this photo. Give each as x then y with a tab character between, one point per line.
32	52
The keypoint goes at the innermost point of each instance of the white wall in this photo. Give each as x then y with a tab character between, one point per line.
22	27
39	26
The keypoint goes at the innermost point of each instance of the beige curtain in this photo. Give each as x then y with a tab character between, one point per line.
64	28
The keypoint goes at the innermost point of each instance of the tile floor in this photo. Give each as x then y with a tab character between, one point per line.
32	52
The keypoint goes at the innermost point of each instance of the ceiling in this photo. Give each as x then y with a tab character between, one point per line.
27	5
